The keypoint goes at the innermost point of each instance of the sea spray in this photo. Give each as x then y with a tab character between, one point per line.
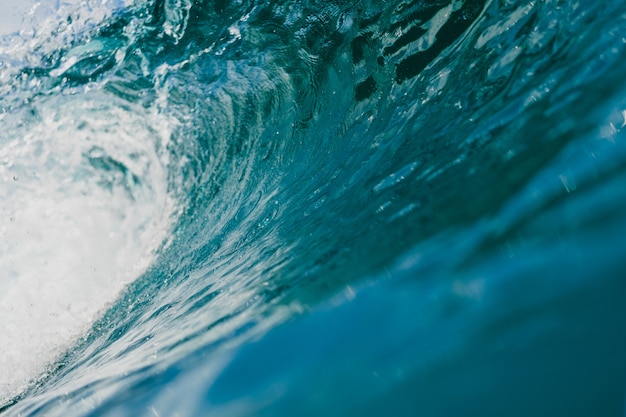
84	207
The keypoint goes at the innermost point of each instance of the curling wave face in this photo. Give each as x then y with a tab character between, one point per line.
294	208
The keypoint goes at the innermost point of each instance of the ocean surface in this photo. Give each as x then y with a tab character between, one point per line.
305	208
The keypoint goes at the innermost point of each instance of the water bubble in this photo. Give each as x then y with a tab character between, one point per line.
16	178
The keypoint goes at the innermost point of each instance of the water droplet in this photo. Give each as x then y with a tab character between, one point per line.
16	178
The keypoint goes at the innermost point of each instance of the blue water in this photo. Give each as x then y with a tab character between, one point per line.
372	208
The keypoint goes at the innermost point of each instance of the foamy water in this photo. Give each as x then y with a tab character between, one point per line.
84	206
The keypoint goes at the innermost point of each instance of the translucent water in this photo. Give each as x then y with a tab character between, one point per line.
305	208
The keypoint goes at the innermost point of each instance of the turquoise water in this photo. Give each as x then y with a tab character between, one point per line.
304	208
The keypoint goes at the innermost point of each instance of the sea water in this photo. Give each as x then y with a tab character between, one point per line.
232	208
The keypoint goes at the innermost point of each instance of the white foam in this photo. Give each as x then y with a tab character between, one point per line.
12	15
83	207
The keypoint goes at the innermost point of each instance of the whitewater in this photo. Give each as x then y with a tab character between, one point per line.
410	207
